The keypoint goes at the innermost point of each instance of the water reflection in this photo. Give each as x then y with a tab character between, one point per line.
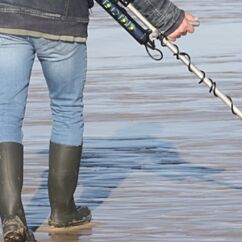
180	181
73	236
106	163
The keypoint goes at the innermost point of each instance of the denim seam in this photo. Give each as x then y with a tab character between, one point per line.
67	3
156	12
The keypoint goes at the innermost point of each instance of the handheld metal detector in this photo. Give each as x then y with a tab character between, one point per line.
121	11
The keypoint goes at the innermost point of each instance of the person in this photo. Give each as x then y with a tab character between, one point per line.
55	32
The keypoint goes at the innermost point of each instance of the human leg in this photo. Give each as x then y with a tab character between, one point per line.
64	163
16	59
11	181
64	67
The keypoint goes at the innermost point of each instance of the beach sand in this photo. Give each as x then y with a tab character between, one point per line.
162	157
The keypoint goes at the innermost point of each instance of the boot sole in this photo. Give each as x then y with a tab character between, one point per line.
17	236
85	220
15	230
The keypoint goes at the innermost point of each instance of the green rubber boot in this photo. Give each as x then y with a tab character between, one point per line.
64	163
11	181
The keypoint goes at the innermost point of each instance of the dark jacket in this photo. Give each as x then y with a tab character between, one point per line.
163	14
70	17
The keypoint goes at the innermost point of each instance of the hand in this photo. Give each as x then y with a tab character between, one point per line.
185	27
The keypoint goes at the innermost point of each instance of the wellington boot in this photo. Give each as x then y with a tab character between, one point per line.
11	181
64	163
15	231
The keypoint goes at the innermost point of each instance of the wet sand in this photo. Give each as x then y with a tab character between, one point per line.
162	157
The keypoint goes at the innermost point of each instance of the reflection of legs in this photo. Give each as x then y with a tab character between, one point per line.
64	67
16	59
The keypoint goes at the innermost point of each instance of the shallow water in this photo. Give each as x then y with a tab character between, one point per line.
162	157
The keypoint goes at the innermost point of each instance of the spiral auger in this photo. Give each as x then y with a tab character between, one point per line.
186	59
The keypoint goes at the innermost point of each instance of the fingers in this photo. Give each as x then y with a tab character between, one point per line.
181	31
191	17
187	26
193	20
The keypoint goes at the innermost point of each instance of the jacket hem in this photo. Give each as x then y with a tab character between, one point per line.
36	34
34	24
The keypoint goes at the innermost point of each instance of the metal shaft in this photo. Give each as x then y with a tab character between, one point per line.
155	33
208	82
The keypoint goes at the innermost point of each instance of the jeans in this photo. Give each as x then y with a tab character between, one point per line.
64	69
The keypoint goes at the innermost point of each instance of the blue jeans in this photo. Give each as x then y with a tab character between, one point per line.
64	68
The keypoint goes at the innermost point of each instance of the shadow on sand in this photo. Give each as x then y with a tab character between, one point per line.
107	162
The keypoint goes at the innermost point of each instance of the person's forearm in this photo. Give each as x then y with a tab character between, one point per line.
163	14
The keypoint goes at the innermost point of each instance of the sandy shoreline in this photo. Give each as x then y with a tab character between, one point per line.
162	157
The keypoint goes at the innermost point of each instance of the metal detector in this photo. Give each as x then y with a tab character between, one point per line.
145	33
